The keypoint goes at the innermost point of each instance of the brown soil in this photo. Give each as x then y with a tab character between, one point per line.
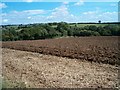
97	49
27	69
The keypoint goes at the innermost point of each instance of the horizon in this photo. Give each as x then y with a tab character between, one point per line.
49	12
64	22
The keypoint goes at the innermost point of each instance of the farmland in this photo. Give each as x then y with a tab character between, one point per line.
102	49
61	55
61	45
23	69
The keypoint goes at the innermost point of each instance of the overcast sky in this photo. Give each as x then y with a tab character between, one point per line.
42	12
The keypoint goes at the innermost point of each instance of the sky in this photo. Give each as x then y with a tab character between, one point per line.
43	12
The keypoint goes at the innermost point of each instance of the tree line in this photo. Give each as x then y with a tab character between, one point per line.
53	30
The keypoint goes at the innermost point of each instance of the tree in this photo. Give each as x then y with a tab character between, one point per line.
99	21
93	28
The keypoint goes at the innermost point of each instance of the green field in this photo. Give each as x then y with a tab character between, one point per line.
83	25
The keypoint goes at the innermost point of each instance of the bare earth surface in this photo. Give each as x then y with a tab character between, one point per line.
103	49
27	69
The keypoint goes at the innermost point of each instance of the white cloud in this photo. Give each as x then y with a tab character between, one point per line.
28	12
5	20
3	5
3	14
33	12
65	3
26	16
99	15
28	0
61	14
62	10
29	17
109	13
113	5
79	3
89	12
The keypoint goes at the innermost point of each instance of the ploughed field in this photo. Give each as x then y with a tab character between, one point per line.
22	69
102	49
